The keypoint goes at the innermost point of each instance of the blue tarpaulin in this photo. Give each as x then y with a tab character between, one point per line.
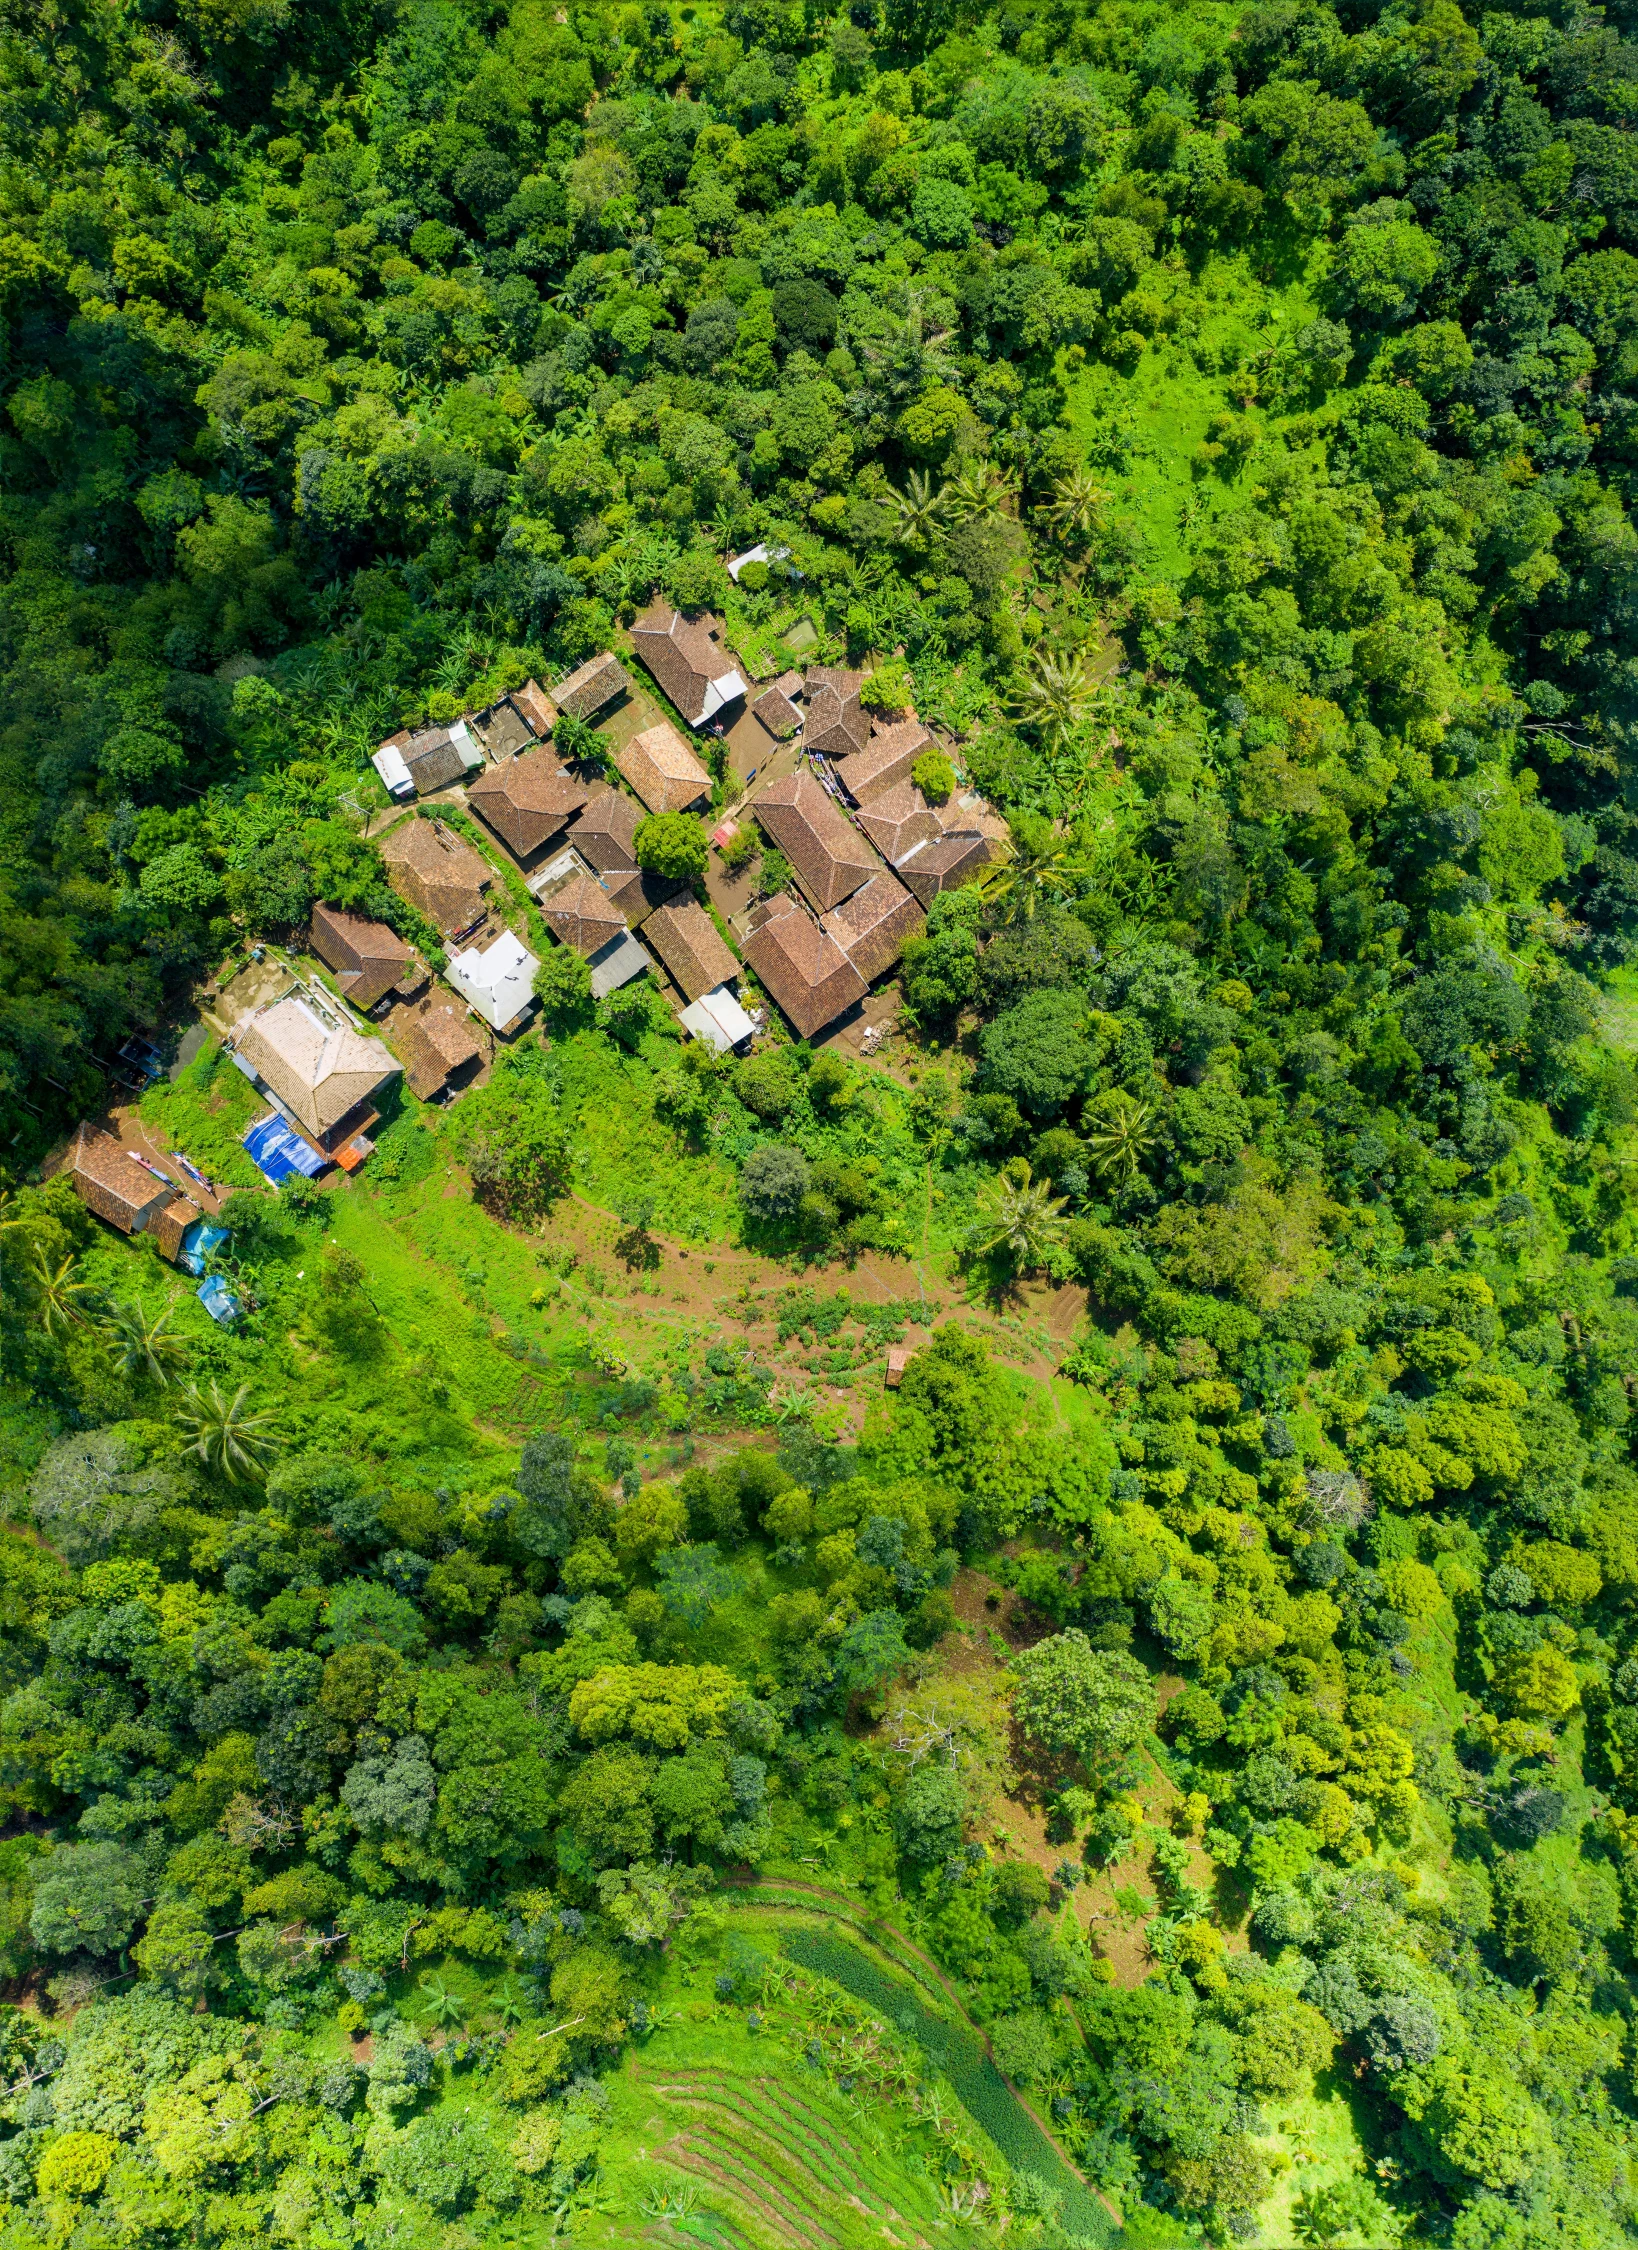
278	1152
201	1239
218	1300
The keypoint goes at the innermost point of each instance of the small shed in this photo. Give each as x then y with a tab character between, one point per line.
898	1359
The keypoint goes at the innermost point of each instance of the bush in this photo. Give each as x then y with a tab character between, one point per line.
766	1083
934	776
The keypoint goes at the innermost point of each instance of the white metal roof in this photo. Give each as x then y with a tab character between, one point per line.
499	983
389	764
718	1018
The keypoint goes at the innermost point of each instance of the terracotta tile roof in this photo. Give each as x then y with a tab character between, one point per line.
433	759
367	957
777	713
954	859
838	724
440	874
321	1072
662	769
527	800
689	659
435	1044
606	831
172	1224
690	945
885	760
584	916
598	681
535	708
829	855
872	925
806	972
900	819
109	1181
637	891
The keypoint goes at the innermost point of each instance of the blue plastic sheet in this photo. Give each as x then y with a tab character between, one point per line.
277	1151
219	1301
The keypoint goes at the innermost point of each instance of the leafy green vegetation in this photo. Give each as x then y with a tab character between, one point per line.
1214	1659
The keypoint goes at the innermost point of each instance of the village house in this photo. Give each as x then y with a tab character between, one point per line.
687	657
499	982
805	970
319	1073
368	960
885	760
663	771
439	874
109	1181
829	856
439	1047
690	945
606	833
527	800
596	682
838	724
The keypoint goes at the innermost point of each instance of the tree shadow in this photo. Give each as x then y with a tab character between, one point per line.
637	1249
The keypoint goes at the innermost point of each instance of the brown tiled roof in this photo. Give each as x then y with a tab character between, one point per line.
502	729
838	724
685	654
807	972
885	760
690	945
321	1071
598	681
441	876
110	1182
663	770
637	891
606	831
829	855
900	819
954	859
584	916
527	800
367	957
433	760
435	1043
777	713
172	1224
872	925
535	708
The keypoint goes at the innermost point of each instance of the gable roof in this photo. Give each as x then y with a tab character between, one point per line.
953	859
583	915
321	1072
433	758
606	831
499	982
829	856
838	724
108	1180
663	770
441	875
527	800
804	969
690	945
687	656
871	926
777	713
367	957
592	684
900	819
535	708
885	760
436	1043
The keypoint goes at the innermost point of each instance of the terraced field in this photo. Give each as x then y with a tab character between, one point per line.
781	2159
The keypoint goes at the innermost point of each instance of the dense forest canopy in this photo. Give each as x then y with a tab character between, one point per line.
1220	422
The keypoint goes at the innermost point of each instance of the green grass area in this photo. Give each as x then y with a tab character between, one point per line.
203	1112
1319	2136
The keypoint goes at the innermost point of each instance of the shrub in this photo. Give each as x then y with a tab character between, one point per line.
772	1183
671	843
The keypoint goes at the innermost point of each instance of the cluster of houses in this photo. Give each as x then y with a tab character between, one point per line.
867	849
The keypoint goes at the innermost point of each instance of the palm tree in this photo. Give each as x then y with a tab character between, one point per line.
1055	694
226	1437
977	490
1123	1137
444	2007
920	507
141	1349
1041	865
1022	1219
511	2002
59	1298
1076	500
